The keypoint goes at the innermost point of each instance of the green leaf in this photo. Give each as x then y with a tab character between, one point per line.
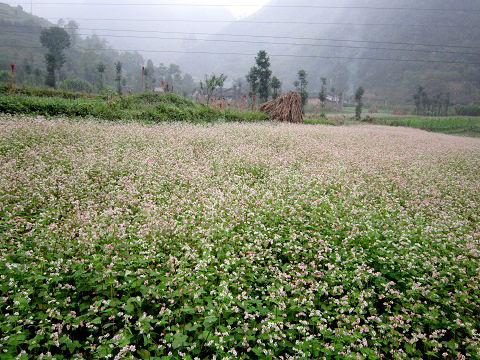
210	320
97	320
178	340
144	354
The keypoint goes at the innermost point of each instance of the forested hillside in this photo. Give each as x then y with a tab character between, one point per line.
19	40
20	45
152	27
391	49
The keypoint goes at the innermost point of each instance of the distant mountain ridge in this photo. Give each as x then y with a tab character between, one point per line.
383	35
19	36
147	25
311	38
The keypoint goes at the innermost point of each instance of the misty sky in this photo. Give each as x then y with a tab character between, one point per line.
239	11
239	8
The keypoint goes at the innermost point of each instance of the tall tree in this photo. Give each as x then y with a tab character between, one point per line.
101	69
56	40
237	87
72	28
276	85
252	81
323	94
301	85
264	74
358	99
118	76
149	72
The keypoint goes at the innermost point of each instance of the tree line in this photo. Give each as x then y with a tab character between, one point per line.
437	105
67	54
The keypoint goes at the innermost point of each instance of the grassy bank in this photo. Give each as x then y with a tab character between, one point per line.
249	241
147	108
455	125
467	126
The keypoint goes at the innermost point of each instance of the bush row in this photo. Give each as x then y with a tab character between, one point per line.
468	110
147	107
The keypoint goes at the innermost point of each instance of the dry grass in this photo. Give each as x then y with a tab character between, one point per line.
286	108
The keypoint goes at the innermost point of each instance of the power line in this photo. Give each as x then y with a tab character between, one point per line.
266	36
243	5
270	22
282	43
271	55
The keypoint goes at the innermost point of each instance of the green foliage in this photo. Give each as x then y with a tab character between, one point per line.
468	110
301	85
263	74
435	106
259	78
56	40
449	125
101	70
118	76
4	75
242	241
38	92
276	85
359	104
323	93
211	83
252	79
75	85
150	108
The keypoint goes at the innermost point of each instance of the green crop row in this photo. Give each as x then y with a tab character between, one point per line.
144	107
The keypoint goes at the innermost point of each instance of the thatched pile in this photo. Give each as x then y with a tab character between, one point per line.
399	111
373	110
286	108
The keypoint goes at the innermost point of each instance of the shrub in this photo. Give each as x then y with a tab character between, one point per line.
76	85
468	110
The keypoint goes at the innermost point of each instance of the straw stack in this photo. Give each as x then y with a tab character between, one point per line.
286	108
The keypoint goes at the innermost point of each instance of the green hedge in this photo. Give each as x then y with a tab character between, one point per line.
468	110
145	107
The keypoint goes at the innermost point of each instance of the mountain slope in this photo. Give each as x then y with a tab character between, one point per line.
19	37
314	39
147	25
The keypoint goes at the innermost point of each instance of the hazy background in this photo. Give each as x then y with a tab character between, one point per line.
389	47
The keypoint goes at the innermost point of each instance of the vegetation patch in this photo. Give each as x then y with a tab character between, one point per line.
469	126
249	241
468	110
142	107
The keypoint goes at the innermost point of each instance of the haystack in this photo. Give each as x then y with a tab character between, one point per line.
399	111
373	110
286	108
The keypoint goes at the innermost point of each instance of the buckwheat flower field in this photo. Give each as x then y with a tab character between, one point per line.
250	241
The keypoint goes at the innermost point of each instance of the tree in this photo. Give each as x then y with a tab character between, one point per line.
263	74
276	85
301	85
323	94
237	88
118	76
101	69
72	28
358	99
56	40
417	98
211	83
252	80
149	73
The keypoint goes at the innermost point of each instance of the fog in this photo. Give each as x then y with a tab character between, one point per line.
390	47
160	31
